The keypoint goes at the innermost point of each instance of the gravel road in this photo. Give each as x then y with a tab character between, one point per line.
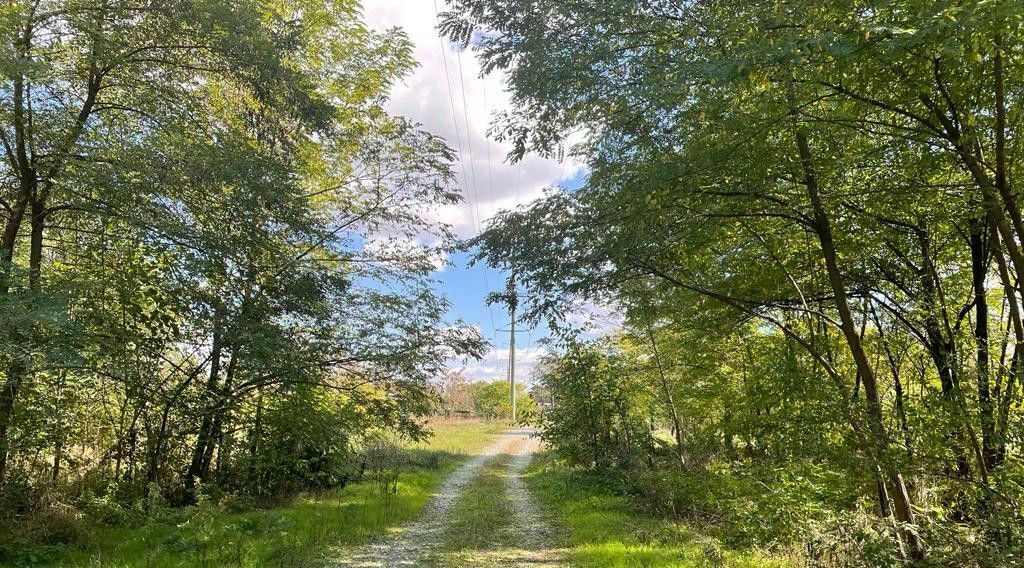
417	543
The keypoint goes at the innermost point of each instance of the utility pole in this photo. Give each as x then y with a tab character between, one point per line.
512	344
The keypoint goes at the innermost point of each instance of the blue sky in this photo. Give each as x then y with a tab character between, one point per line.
467	288
447	96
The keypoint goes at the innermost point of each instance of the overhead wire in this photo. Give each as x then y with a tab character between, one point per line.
455	120
472	193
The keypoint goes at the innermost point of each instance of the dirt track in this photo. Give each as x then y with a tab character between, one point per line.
417	543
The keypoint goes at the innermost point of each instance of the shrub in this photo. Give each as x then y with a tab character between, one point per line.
57	524
105	510
43	535
804	509
237	503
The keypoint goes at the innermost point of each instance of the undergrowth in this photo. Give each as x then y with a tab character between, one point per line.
604	526
233	530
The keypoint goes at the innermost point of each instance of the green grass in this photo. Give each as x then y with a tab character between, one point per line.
480	517
300	534
295	535
601	528
461	437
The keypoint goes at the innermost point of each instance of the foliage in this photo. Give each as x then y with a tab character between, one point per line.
603	528
493	400
490	400
299	532
600	418
211	276
807	212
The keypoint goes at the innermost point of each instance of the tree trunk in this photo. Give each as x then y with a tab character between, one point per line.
677	426
58	443
1006	398
942	349
203	438
16	366
7	398
876	425
35	255
897	382
979	272
254	441
223	415
10	235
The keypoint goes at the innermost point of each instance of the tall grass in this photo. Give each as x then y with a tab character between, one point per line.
303	533
602	528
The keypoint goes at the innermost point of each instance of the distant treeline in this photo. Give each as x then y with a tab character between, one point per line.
491	400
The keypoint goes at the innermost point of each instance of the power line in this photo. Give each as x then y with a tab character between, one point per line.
472	170
490	172
455	120
469	137
487	147
475	220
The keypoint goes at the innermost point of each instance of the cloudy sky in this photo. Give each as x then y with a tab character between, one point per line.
449	98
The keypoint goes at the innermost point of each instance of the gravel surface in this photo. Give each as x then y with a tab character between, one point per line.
415	543
535	536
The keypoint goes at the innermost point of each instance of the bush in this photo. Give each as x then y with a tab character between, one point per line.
43	535
803	509
237	503
57	524
105	510
383	458
601	420
20	497
848	539
698	498
427	459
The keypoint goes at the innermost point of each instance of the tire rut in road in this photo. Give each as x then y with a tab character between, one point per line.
420	542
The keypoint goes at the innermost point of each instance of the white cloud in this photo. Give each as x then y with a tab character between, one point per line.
449	98
402	250
445	106
596	319
494	365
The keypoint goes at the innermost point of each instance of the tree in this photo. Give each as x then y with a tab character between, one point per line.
493	400
827	170
456	393
202	290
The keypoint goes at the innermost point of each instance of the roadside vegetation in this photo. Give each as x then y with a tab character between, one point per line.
805	219
301	531
212	295
602	524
